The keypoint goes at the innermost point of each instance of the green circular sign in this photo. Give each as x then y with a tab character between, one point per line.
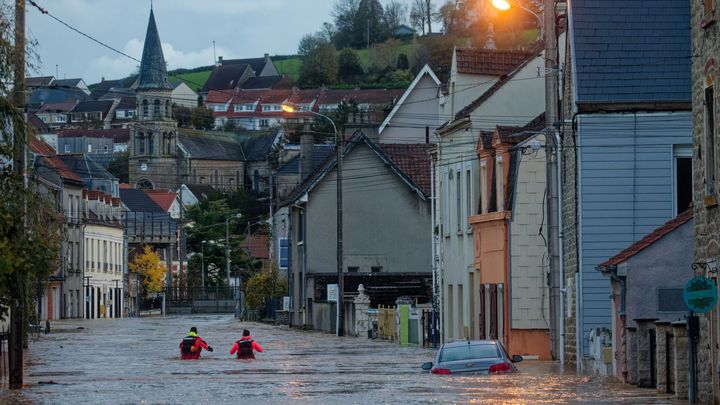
700	295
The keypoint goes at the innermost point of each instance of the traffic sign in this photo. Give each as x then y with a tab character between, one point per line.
700	295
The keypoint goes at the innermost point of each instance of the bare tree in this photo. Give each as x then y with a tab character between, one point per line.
418	16
396	13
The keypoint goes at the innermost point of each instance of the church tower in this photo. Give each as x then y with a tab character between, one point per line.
153	140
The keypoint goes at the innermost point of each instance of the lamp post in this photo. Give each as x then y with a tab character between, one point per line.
294	108
88	307
202	263
227	243
505	5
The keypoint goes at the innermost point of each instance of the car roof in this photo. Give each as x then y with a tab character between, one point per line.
470	342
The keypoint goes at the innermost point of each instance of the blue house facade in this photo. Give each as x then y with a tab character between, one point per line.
627	143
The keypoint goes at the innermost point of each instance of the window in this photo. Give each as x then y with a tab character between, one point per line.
499	180
89	148
266	107
682	178
376	269
458	200
353	269
67	148
445	185
264	123
156	109
151	144
44	118
195	178
709	141
217	178
145	108
105	149
276	107
141	144
283	253
256	180
483	188
61	118
301	226
468	196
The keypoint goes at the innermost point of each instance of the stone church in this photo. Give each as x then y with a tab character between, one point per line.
163	156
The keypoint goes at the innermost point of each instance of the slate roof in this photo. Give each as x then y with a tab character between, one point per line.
200	191
631	51
51	159
206	145
257	146
256	64
94	106
54	95
100	90
86	167
648	240
320	155
39	81
66	82
225	77
137	201
488	61
263	82
119	135
153	72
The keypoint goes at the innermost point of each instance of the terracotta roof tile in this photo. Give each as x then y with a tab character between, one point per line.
648	240
50	157
164	199
413	159
489	61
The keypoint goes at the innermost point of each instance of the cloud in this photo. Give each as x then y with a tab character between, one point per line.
112	67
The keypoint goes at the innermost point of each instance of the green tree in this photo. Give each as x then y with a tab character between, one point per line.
202	118
349	68
151	270
402	62
263	285
319	67
120	167
183	116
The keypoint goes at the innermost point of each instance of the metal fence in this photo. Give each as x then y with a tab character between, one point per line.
387	324
430	328
202	299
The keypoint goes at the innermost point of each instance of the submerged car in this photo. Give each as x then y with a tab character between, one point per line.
473	356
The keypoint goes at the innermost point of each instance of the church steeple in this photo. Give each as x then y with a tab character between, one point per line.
153	73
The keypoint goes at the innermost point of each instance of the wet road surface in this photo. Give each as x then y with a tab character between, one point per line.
136	361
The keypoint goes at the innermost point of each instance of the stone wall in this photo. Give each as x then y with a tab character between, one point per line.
661	330
706	56
681	359
569	211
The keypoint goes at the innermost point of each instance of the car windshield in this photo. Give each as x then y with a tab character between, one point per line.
471	351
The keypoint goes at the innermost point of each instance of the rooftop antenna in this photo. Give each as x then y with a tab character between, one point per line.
57	74
214	57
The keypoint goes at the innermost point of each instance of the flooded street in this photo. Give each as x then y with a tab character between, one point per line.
136	361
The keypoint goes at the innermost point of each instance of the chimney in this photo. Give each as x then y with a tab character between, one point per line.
219	61
267	58
307	145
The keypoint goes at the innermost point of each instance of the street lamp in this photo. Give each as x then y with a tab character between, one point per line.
504	5
202	265
227	243
294	108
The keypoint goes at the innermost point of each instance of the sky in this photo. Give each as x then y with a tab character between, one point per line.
240	29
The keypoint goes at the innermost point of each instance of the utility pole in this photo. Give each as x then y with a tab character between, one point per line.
17	303
340	308
552	177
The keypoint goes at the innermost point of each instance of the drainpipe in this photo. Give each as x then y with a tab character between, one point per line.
561	240
433	241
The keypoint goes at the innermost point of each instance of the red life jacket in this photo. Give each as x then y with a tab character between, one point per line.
188	349
245	349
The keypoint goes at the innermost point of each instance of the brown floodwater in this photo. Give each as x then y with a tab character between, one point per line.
136	361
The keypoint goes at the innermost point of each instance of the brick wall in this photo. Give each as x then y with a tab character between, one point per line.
706	47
